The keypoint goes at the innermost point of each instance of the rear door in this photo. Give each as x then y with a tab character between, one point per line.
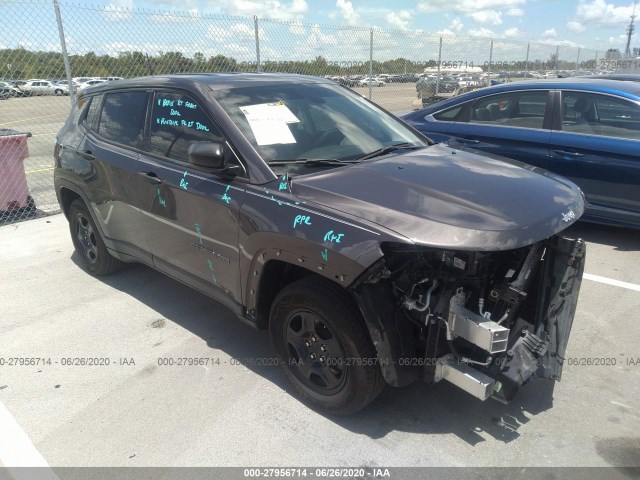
111	150
512	124
596	144
190	215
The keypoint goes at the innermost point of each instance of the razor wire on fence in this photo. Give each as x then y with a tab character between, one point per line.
50	50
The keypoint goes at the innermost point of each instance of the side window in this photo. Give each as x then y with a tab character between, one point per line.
601	115
122	117
177	121
90	118
448	115
513	109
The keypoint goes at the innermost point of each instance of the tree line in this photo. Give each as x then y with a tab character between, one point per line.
21	64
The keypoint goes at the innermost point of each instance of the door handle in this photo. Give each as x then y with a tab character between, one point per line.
150	177
567	153
87	154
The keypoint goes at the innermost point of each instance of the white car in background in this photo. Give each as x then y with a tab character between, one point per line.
61	87
89	83
9	90
37	87
376	82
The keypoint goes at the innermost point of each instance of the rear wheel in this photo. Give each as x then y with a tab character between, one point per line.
93	253
324	348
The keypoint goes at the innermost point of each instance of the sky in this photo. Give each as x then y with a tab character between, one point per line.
306	28
594	24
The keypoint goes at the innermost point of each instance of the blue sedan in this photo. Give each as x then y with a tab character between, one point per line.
587	130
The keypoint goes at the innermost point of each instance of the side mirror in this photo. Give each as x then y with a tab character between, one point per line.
207	154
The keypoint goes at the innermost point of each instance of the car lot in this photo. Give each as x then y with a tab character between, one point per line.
141	413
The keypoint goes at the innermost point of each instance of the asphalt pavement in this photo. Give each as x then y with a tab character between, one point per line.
138	410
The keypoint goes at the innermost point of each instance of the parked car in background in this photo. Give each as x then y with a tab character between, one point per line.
37	87
371	255
80	80
89	83
60	87
64	84
376	82
9	89
587	130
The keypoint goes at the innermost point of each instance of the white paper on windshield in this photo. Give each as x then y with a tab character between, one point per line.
270	122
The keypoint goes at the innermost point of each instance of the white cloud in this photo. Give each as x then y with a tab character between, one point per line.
551	33
456	24
514	12
481	32
511	32
297	28
237	49
445	31
190	16
467	6
601	12
399	20
562	43
119	11
487	17
576	27
347	12
295	10
240	31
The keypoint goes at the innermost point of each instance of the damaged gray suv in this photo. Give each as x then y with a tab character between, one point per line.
370	254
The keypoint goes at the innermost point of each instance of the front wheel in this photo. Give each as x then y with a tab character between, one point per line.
94	256
324	348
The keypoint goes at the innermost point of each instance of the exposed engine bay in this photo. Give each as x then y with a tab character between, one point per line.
485	321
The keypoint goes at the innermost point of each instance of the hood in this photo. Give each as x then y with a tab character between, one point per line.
448	198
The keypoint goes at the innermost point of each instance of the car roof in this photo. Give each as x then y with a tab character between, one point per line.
629	90
628	77
215	81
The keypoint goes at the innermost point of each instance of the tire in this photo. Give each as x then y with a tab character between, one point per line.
93	253
59	92
324	348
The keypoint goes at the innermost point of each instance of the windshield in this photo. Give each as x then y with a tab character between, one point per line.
307	121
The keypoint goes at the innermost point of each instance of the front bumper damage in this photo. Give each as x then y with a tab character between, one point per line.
486	322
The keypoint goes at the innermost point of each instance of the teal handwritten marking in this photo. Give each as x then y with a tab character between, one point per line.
197	227
301	220
333	237
180	102
213	271
283	183
325	255
183	182
161	200
200	126
175	112
193	106
225	197
164	121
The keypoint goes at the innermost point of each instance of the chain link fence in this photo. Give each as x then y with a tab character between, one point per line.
48	49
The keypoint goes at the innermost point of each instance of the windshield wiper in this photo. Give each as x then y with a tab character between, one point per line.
313	161
388	149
